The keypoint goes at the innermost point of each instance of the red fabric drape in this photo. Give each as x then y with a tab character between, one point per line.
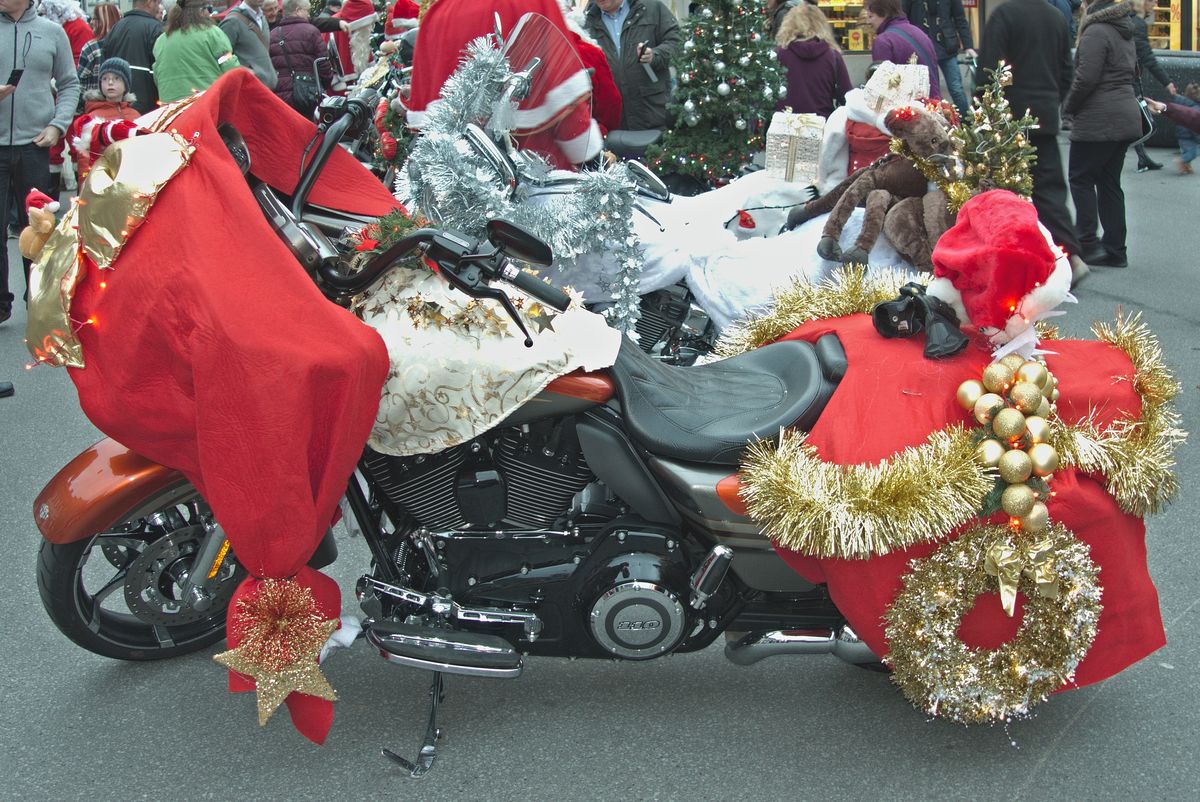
213	352
892	398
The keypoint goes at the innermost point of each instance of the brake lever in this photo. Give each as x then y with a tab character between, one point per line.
474	288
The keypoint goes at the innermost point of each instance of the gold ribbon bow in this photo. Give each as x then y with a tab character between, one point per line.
1008	563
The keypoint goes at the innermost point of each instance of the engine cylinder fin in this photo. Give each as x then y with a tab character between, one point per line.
540	487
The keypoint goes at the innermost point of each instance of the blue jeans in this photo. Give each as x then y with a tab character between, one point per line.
1189	147
954	86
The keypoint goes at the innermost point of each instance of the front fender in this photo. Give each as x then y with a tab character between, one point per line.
101	487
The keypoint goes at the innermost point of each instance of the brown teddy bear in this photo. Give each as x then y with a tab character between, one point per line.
894	192
41	208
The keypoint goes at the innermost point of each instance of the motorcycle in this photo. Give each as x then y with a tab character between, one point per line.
600	520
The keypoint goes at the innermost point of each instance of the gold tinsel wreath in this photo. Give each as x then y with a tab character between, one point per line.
1136	457
857	511
943	676
847	291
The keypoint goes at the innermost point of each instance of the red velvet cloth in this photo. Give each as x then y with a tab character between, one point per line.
892	398
213	353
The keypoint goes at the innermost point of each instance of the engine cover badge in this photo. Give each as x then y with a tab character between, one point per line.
637	620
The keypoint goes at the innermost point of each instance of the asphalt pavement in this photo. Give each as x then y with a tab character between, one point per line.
77	726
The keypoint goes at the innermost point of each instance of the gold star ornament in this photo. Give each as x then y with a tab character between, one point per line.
282	632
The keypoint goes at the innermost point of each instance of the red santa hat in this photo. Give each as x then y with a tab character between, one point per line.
1000	270
36	199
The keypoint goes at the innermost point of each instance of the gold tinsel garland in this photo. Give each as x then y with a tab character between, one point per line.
847	291
1136	457
857	511
943	676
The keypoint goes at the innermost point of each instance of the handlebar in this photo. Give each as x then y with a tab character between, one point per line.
339	117
468	265
532	285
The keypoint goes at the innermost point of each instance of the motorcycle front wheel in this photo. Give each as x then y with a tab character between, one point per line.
119	592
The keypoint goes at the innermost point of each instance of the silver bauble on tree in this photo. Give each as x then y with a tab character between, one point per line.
722	89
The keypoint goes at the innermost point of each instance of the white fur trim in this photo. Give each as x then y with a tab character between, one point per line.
81	145
584	147
560	98
342	638
833	158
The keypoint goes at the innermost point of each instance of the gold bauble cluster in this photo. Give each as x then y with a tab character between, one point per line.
1012	401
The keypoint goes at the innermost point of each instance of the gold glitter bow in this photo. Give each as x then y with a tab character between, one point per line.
1008	563
282	634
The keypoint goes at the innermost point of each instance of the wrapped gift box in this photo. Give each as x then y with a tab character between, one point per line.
894	84
793	144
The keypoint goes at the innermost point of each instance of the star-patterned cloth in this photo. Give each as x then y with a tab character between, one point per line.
459	366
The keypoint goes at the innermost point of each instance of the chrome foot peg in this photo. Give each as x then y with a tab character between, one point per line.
428	753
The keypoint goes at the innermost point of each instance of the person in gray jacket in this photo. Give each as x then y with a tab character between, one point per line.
32	117
246	27
639	38
1106	119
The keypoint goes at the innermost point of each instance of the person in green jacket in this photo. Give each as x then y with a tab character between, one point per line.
192	52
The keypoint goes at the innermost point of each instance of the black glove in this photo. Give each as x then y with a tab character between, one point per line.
914	312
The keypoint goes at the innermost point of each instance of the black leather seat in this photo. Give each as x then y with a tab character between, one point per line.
711	412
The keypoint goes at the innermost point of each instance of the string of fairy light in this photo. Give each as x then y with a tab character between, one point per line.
729	80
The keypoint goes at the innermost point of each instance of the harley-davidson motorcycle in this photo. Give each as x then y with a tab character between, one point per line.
600	520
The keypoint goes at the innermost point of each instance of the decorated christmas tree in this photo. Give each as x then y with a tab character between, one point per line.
992	151
727	83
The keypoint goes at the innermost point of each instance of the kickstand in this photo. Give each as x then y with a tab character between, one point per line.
425	758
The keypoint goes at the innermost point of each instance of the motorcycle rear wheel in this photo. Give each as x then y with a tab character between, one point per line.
102	615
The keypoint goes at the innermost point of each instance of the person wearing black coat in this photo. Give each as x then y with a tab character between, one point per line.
132	39
1105	120
1031	37
946	24
1149	64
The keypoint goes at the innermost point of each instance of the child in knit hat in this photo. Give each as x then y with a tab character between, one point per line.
113	102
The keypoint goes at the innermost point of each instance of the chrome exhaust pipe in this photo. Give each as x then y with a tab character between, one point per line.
842	643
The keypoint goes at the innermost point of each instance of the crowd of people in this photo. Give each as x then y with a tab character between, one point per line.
1076	67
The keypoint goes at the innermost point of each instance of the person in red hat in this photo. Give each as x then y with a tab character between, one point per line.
555	120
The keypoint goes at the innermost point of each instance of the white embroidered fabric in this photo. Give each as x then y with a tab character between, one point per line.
449	384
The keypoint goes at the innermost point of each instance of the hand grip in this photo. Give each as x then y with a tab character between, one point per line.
532	285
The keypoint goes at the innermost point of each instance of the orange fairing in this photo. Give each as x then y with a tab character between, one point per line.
595	387
96	490
729	491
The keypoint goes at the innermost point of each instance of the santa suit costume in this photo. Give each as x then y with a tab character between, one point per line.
401	17
351	10
892	397
555	120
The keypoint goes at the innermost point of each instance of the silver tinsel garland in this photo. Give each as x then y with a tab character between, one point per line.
448	182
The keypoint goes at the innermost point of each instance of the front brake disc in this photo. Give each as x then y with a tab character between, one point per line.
154	582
